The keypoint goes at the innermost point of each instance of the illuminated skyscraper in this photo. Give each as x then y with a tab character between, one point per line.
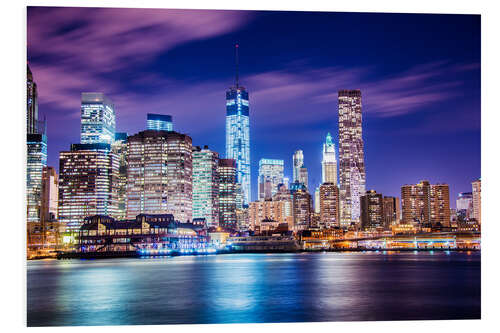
97	119
32	104
88	176
50	194
301	206
303	177
329	163
270	176
160	174
476	200
298	162
206	185
227	193
119	147
329	205
238	133
159	122
351	156
372	210
36	161
392	211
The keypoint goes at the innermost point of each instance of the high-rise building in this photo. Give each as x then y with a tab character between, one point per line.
329	162
391	211
372	210
159	122
35	162
329	205
268	209
270	176
465	204
303	177
119	147
284	195
351	156
286	182
50	194
476	200
87	183
32	104
425	203
301	206
160	174
298	162
317	207
206	185
227	193
97	118
238	133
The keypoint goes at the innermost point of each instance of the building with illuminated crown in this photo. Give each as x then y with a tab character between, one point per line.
270	176
329	162
97	118
206	185
159	122
160	174
351	156
87	183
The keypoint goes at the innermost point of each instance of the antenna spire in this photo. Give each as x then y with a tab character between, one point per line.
237	64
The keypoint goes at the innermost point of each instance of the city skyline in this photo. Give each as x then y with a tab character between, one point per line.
455	161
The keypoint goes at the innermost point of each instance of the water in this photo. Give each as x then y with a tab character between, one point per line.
249	288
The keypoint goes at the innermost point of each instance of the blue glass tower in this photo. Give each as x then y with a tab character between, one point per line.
159	122
238	133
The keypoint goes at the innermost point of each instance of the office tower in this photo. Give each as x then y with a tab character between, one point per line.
351	156
303	177
36	160
476	200
372	210
329	162
206	185
50	194
424	203
270	176
391	211
119	147
329	205
284	195
87	183
267	209
32	104
227	193
239	196
465	204
301	206
298	162
238	133
159	122
160	174
97	119
317	207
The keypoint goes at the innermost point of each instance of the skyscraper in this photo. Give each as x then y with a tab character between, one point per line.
97	118
476	200
329	205
425	203
351	156
301	206
32	104
298	162
238	133
303	177
119	147
372	210
227	193
329	162
159	122
160	174
391	211
50	194
36	161
270	176
87	183
206	185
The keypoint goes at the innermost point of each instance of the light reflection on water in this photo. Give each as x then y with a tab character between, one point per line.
243	288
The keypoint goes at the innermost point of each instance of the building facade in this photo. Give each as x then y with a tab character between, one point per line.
119	147
159	122
298	162
160	174
476	200
465	204
372	210
267	209
88	176
50	194
206	185
329	206
329	162
32	104
270	176
424	203
227	172
392	211
351	156
301	207
97	119
36	160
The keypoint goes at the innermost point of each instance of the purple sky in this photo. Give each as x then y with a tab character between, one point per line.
419	76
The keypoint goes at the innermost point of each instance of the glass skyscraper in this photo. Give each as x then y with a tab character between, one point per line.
97	119
238	134
159	122
270	176
206	185
32	104
227	193
36	161
351	156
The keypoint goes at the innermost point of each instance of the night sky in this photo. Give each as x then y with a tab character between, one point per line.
419	75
